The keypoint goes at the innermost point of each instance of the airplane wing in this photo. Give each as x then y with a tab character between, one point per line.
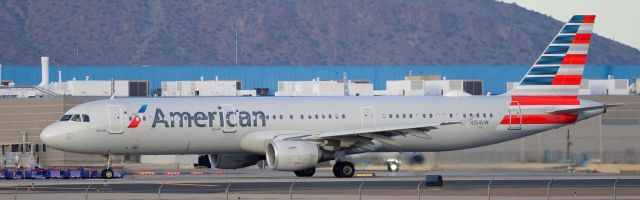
364	136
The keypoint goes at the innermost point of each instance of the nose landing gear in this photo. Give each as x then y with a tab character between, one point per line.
107	172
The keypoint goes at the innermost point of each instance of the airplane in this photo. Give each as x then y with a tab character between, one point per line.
296	133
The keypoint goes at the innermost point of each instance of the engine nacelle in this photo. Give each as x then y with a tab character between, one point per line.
234	160
293	155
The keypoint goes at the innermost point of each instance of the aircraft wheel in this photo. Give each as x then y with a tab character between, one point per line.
305	172
107	173
344	169
393	166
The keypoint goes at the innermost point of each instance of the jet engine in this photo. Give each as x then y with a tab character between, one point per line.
295	155
234	160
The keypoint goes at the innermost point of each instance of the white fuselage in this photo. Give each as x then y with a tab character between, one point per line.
202	125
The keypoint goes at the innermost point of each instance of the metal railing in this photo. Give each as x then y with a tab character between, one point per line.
360	189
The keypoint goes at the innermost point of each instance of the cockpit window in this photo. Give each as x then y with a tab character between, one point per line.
85	118
75	118
65	118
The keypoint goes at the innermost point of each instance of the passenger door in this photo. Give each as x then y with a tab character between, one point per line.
368	119
230	117
115	119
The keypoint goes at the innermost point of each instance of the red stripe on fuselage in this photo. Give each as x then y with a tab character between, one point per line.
573	79
540	119
544	100
575	59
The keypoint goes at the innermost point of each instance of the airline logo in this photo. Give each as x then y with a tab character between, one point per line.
555	77
135	122
558	70
218	119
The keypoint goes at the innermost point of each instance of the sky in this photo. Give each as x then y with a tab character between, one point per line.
616	19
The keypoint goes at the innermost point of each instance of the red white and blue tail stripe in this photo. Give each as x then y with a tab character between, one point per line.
558	71
554	79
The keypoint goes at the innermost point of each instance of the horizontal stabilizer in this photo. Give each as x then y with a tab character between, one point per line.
581	109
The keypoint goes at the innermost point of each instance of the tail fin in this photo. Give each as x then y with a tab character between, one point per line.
558	71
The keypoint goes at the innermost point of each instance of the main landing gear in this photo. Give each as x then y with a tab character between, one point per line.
343	169
107	173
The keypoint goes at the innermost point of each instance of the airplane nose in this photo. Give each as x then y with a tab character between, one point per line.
52	136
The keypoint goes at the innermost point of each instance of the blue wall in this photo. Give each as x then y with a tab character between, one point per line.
494	77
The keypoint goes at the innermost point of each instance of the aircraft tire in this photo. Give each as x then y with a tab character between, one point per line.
393	166
106	173
305	172
344	169
335	169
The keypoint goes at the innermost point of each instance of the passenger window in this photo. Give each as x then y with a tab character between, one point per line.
478	115
491	115
274	117
280	116
430	115
404	115
484	115
85	118
316	116
322	116
410	115
301	116
424	115
464	115
65	118
390	116
267	116
290	116
75	118
329	116
309	117
450	115
344	116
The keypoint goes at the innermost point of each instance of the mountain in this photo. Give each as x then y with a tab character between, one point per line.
288	32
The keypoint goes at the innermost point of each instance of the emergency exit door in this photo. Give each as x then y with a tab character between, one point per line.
368	119
515	116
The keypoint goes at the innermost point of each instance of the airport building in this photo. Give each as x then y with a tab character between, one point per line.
205	88
252	77
317	87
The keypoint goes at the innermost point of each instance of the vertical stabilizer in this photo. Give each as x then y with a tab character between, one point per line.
558	71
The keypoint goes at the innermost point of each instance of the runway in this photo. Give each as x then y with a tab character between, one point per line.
265	184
